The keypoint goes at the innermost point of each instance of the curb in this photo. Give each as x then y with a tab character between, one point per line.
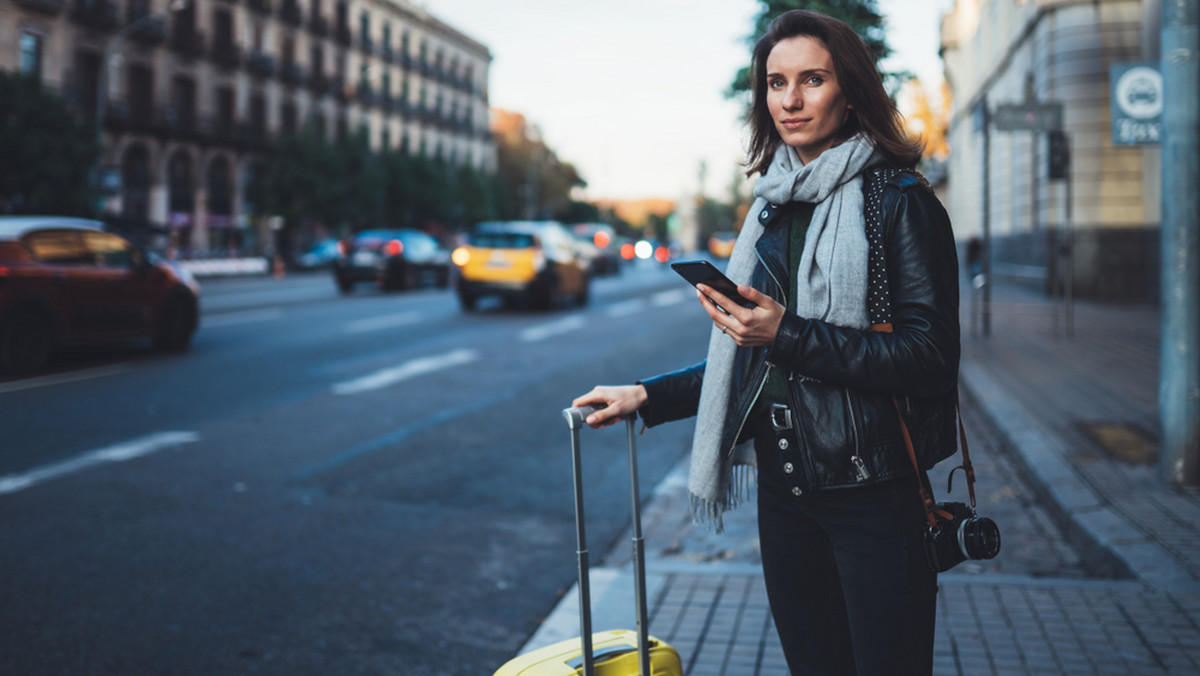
1113	544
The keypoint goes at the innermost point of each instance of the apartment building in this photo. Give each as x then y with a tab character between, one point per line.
1030	52
195	89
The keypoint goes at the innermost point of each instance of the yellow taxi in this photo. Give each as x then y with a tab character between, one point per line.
536	262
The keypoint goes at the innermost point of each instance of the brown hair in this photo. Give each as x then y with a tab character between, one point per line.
871	111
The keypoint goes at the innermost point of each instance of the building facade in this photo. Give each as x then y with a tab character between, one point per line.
1106	211
195	89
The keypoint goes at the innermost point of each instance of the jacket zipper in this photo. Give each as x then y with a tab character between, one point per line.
860	468
746	416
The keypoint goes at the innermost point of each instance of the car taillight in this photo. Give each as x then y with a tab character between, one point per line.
662	254
628	251
343	248
395	247
461	256
601	239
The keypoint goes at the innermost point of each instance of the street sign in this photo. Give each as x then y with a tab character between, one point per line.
1028	116
1136	93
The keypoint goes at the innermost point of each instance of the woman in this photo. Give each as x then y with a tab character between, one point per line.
803	376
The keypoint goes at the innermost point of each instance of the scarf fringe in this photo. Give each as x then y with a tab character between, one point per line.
710	514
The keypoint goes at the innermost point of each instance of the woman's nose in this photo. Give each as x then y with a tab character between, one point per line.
792	99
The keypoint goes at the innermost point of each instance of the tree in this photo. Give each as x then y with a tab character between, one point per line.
861	15
49	153
534	183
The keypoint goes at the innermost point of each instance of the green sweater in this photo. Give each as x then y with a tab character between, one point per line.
775	389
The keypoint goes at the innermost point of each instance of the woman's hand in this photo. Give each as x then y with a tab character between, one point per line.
614	402
748	327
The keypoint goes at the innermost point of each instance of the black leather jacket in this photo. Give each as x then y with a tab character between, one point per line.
841	382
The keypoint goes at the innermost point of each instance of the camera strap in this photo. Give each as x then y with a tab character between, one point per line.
880	309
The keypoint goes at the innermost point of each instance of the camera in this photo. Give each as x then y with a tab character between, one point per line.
961	537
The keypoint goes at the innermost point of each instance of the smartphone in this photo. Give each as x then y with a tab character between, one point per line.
703	272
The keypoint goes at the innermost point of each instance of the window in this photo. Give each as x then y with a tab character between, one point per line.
364	21
107	249
31	54
56	246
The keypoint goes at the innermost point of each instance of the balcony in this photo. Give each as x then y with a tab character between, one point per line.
226	54
367	45
291	12
151	34
343	35
365	94
97	14
292	74
388	54
51	7
188	42
260	6
260	64
318	26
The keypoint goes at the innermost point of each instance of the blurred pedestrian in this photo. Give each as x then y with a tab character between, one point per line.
800	386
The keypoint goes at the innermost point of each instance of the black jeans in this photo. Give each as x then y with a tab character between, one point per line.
846	574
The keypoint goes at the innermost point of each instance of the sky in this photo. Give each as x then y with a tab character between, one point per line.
631	92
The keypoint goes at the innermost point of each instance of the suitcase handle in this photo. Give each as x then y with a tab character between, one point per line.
575	421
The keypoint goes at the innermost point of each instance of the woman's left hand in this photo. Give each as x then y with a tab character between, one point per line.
748	327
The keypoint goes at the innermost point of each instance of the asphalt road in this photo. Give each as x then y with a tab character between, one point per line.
372	484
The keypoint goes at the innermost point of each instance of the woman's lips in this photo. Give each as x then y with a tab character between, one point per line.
793	124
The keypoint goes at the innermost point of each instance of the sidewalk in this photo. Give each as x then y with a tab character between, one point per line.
1079	419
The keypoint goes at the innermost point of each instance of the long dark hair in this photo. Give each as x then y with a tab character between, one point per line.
871	111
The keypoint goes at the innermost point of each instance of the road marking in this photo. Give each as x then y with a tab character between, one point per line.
672	297
243	317
382	322
543	331
115	453
626	308
395	374
58	379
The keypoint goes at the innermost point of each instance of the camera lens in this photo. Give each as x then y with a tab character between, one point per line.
979	538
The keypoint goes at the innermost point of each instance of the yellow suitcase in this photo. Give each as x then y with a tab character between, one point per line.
609	653
614	653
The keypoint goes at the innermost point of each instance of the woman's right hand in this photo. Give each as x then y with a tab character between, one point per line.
613	401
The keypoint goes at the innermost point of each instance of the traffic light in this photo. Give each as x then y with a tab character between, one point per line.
1059	158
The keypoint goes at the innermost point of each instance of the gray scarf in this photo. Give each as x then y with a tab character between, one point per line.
831	285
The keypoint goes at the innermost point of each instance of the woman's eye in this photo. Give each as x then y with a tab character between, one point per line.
815	80
775	84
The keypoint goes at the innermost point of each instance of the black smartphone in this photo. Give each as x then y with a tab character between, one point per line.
703	272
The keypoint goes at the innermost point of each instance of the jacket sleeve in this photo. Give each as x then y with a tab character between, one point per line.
672	396
920	356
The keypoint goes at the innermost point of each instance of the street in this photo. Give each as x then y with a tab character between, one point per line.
369	484
376	483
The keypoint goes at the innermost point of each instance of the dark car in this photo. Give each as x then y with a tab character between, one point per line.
392	260
601	246
66	281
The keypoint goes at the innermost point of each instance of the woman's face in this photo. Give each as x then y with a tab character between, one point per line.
804	97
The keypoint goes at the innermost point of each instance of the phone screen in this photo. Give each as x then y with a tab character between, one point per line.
703	272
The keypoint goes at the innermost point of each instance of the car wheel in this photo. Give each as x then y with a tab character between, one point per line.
584	293
467	301
344	286
26	341
176	325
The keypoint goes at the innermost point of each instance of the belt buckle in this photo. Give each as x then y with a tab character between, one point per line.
781	417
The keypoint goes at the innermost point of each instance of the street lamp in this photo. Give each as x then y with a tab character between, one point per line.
102	77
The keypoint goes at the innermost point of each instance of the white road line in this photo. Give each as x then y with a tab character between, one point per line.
626	308
243	317
416	367
672	297
115	453
58	379
543	331
382	322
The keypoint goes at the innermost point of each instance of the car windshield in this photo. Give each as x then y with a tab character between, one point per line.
502	240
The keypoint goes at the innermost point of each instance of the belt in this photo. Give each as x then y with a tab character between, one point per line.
781	417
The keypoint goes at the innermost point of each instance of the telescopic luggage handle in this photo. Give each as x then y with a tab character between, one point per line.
575	421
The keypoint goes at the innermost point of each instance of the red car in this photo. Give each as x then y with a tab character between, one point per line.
66	281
